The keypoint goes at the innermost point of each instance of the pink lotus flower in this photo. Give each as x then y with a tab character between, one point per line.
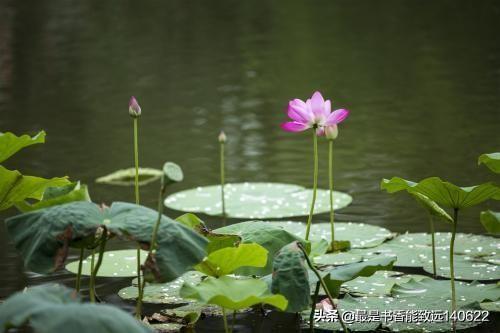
313	113
134	109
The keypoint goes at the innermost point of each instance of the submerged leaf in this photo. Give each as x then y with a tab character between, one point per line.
492	161
15	187
57	196
491	222
290	277
119	263
255	200
271	237
54	308
442	192
232	293
126	177
227	260
44	236
11	143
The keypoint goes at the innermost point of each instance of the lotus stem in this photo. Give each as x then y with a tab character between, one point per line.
313	308
95	269
431	223
452	268
222	181
138	309
79	274
330	181
315	183
323	285
233	321
224	318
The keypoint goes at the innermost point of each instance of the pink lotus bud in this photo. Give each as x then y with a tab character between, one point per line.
331	132
222	137
134	109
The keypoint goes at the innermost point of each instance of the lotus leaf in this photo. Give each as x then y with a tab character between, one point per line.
57	196
491	222
492	161
126	177
11	143
119	263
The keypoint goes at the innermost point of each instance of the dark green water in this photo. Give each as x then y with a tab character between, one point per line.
421	78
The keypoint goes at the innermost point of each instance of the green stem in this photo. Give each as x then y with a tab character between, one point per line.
315	183
452	267
330	180
313	308
95	269
224	318
323	285
138	311
79	274
222	182
431	223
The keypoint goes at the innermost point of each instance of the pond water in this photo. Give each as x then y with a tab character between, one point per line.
422	81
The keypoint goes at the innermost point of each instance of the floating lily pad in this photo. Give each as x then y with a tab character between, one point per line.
163	293
120	263
337	259
466	268
491	306
407	255
379	284
255	200
126	177
360	235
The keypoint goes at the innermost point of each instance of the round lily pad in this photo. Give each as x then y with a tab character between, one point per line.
407	255
120	263
126	177
255	200
163	293
379	284
360	235
337	259
466	267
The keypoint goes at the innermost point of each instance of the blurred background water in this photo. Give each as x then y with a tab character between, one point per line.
421	78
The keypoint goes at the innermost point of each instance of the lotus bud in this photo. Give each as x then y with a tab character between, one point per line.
134	109
331	132
222	137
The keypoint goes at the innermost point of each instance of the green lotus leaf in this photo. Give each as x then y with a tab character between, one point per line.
319	248
360	235
337	259
466	268
162	293
54	308
492	161
379	284
227	260
15	187
126	177
232	293
491	306
266	234
336	276
192	221
255	200
172	172
491	222
432	207
290	277
442	192
57	196
44	236
11	143
407	255
119	263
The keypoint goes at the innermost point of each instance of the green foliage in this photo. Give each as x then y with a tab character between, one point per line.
442	192
492	161
227	260
432	207
290	277
11	143
336	259
271	237
119	263
126	177
44	236
491	222
15	187
57	196
172	173
54	308
233	293
254	200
